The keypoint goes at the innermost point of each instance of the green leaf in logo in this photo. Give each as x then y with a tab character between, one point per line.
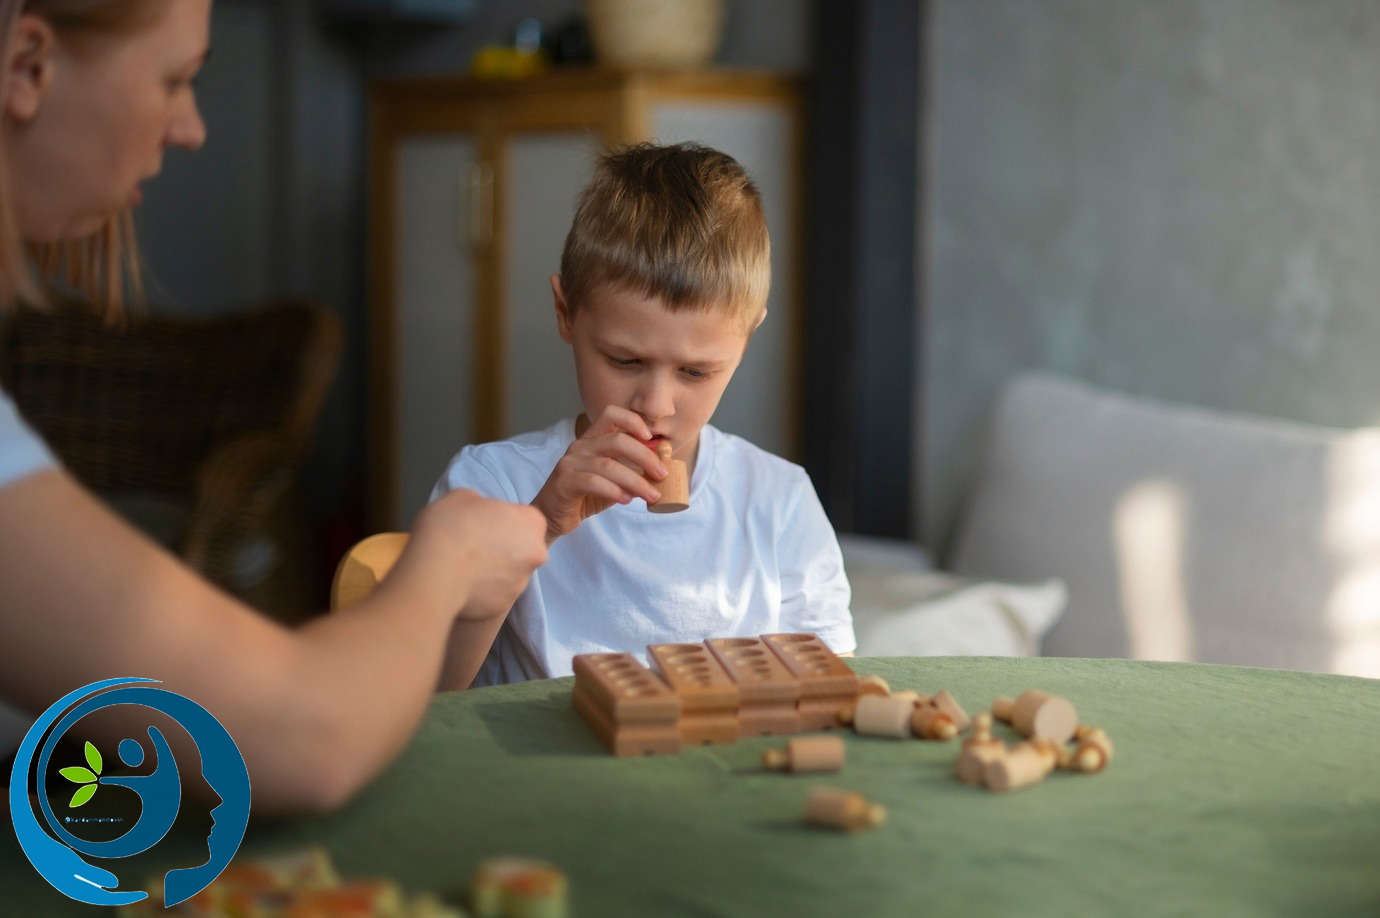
93	757
77	774
82	795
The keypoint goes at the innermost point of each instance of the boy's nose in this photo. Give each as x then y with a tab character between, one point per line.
654	401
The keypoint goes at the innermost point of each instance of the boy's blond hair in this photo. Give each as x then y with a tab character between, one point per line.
682	223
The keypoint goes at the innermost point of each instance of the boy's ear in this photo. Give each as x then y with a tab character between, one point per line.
29	67
562	309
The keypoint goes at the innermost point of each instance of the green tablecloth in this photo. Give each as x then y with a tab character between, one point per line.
1234	791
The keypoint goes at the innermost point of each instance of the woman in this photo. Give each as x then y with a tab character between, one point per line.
94	92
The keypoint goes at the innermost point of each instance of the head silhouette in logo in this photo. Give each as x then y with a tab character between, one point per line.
60	859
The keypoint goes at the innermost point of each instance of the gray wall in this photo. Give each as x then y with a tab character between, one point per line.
1178	198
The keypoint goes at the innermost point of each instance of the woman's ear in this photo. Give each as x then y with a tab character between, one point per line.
28	67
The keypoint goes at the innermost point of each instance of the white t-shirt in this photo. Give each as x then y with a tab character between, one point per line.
754	554
21	453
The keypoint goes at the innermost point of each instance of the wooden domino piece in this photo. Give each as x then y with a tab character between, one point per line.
708	696
1038	715
827	684
978	751
1093	752
767	692
877	715
1023	765
675	487
806	754
630	709
844	810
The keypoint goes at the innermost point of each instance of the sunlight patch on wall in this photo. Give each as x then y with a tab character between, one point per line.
1148	530
1351	530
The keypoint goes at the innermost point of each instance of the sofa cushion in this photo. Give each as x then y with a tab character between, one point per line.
1182	533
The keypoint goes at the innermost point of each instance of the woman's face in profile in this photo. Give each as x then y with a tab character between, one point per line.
99	125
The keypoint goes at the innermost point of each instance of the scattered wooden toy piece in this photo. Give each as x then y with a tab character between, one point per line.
929	722
767	691
807	754
513	887
913	697
873	685
1093	752
844	810
1021	766
946	703
878	715
1038	715
827	684
978	751
630	709
709	698
675	487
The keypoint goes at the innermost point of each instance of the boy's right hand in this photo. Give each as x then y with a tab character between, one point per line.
609	463
487	548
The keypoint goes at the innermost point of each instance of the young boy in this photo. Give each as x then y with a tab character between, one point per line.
663	280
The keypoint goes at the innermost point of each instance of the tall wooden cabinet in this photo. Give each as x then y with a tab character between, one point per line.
473	186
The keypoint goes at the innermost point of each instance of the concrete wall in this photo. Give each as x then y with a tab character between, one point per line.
1178	198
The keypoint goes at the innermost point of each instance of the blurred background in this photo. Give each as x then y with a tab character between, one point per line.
1176	199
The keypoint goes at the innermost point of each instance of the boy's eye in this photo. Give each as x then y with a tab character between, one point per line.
620	362
695	374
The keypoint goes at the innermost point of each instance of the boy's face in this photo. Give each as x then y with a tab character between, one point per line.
669	367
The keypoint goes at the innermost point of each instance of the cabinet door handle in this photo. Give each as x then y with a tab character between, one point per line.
477	214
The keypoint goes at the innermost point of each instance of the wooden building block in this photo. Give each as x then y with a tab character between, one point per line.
630	709
876	715
1022	765
978	751
844	810
827	685
1039	715
675	487
807	754
510	887
709	698
767	692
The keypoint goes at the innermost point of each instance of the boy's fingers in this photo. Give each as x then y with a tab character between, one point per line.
628	479
613	419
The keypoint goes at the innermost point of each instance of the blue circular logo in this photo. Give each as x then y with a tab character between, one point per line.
57	854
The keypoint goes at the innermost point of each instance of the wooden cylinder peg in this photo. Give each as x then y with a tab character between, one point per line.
1022	765
873	685
840	809
807	754
878	715
910	695
675	487
1093	752
928	722
946	703
1038	715
978	751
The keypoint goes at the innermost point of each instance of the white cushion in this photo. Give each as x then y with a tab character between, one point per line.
1183	533
902	608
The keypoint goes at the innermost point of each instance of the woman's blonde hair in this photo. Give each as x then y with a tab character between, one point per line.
683	223
101	269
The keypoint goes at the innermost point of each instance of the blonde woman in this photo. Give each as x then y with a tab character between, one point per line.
94	92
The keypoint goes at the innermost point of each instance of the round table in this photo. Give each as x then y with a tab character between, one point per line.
1234	791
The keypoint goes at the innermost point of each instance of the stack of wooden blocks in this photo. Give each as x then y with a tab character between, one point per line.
713	692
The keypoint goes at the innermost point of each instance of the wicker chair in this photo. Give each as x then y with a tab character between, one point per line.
194	429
